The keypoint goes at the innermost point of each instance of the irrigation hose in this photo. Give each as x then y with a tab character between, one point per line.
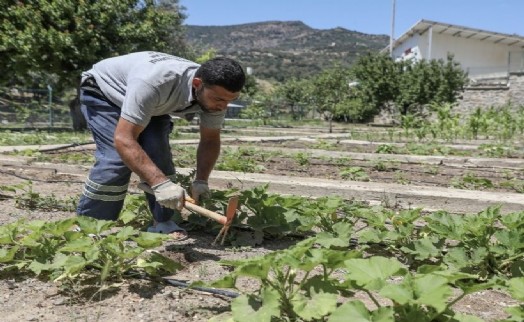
202	289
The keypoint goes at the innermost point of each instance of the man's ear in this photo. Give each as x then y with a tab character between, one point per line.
197	82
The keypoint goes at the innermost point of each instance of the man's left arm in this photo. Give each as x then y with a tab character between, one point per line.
207	152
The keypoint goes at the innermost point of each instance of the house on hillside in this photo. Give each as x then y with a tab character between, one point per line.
494	61
483	54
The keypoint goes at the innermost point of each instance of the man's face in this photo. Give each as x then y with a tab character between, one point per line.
214	98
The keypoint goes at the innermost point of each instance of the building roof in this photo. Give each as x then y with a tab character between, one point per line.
459	31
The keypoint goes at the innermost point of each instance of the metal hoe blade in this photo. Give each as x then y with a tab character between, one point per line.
231	210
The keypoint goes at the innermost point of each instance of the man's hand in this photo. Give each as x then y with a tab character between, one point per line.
169	195
199	188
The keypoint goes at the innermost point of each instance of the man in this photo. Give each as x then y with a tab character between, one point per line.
127	102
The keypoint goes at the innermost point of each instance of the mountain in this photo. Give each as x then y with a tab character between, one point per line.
278	50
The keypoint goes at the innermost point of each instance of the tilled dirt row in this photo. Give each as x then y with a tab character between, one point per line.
24	298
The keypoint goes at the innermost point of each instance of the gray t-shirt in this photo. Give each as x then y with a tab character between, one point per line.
146	84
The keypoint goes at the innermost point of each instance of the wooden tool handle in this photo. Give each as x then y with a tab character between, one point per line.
205	212
190	204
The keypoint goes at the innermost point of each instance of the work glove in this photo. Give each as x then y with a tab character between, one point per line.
199	188
169	195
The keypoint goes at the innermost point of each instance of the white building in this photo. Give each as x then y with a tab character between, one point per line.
483	54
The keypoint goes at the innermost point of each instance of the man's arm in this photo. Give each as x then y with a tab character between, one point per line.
136	159
207	152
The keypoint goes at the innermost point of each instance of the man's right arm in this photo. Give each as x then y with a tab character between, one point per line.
136	159
167	193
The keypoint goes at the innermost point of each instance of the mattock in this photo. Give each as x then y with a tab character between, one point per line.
226	220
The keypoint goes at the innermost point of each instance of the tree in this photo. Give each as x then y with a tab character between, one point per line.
64	37
429	82
410	85
295	94
330	88
378	77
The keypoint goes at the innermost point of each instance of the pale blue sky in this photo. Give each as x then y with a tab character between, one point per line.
367	16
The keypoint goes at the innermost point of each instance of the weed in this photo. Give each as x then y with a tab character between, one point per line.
354	173
302	158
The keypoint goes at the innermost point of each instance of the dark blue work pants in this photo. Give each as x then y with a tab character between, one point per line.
106	186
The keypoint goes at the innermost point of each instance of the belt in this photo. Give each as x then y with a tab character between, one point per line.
90	86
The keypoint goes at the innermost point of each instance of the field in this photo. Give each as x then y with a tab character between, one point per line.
361	224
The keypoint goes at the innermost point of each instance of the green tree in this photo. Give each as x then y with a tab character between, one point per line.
295	94
55	40
426	82
378	77
65	37
329	89
250	88
410	85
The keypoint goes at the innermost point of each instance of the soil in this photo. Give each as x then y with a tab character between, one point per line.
23	298
388	169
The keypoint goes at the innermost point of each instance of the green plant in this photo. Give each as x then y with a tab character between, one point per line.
57	251
238	160
302	158
354	173
30	199
382	165
401	178
386	149
471	181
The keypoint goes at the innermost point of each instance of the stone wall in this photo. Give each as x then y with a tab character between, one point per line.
516	88
486	95
496	95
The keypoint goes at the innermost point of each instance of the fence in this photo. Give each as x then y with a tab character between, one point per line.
32	107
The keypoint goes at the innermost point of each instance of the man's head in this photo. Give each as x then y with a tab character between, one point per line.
217	82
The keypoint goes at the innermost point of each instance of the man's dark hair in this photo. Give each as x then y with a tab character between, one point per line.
224	72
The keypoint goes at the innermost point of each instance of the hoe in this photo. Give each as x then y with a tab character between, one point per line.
224	220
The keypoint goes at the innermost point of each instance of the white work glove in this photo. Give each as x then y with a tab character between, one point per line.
199	188
169	195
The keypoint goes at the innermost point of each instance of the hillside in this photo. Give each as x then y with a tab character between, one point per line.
277	50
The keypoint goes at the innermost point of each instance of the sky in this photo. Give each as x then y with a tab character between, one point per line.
366	16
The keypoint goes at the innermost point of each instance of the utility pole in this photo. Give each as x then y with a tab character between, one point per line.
391	37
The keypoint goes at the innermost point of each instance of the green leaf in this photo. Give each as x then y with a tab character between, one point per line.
6	234
7	255
59	262
516	288
125	233
166	264
316	306
400	294
151	268
422	249
32	240
90	225
429	290
356	311
373	272
328	240
127	216
72	266
249	308
317	284
83	244
58	228
149	240
516	312
258	269
432	291
228	281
